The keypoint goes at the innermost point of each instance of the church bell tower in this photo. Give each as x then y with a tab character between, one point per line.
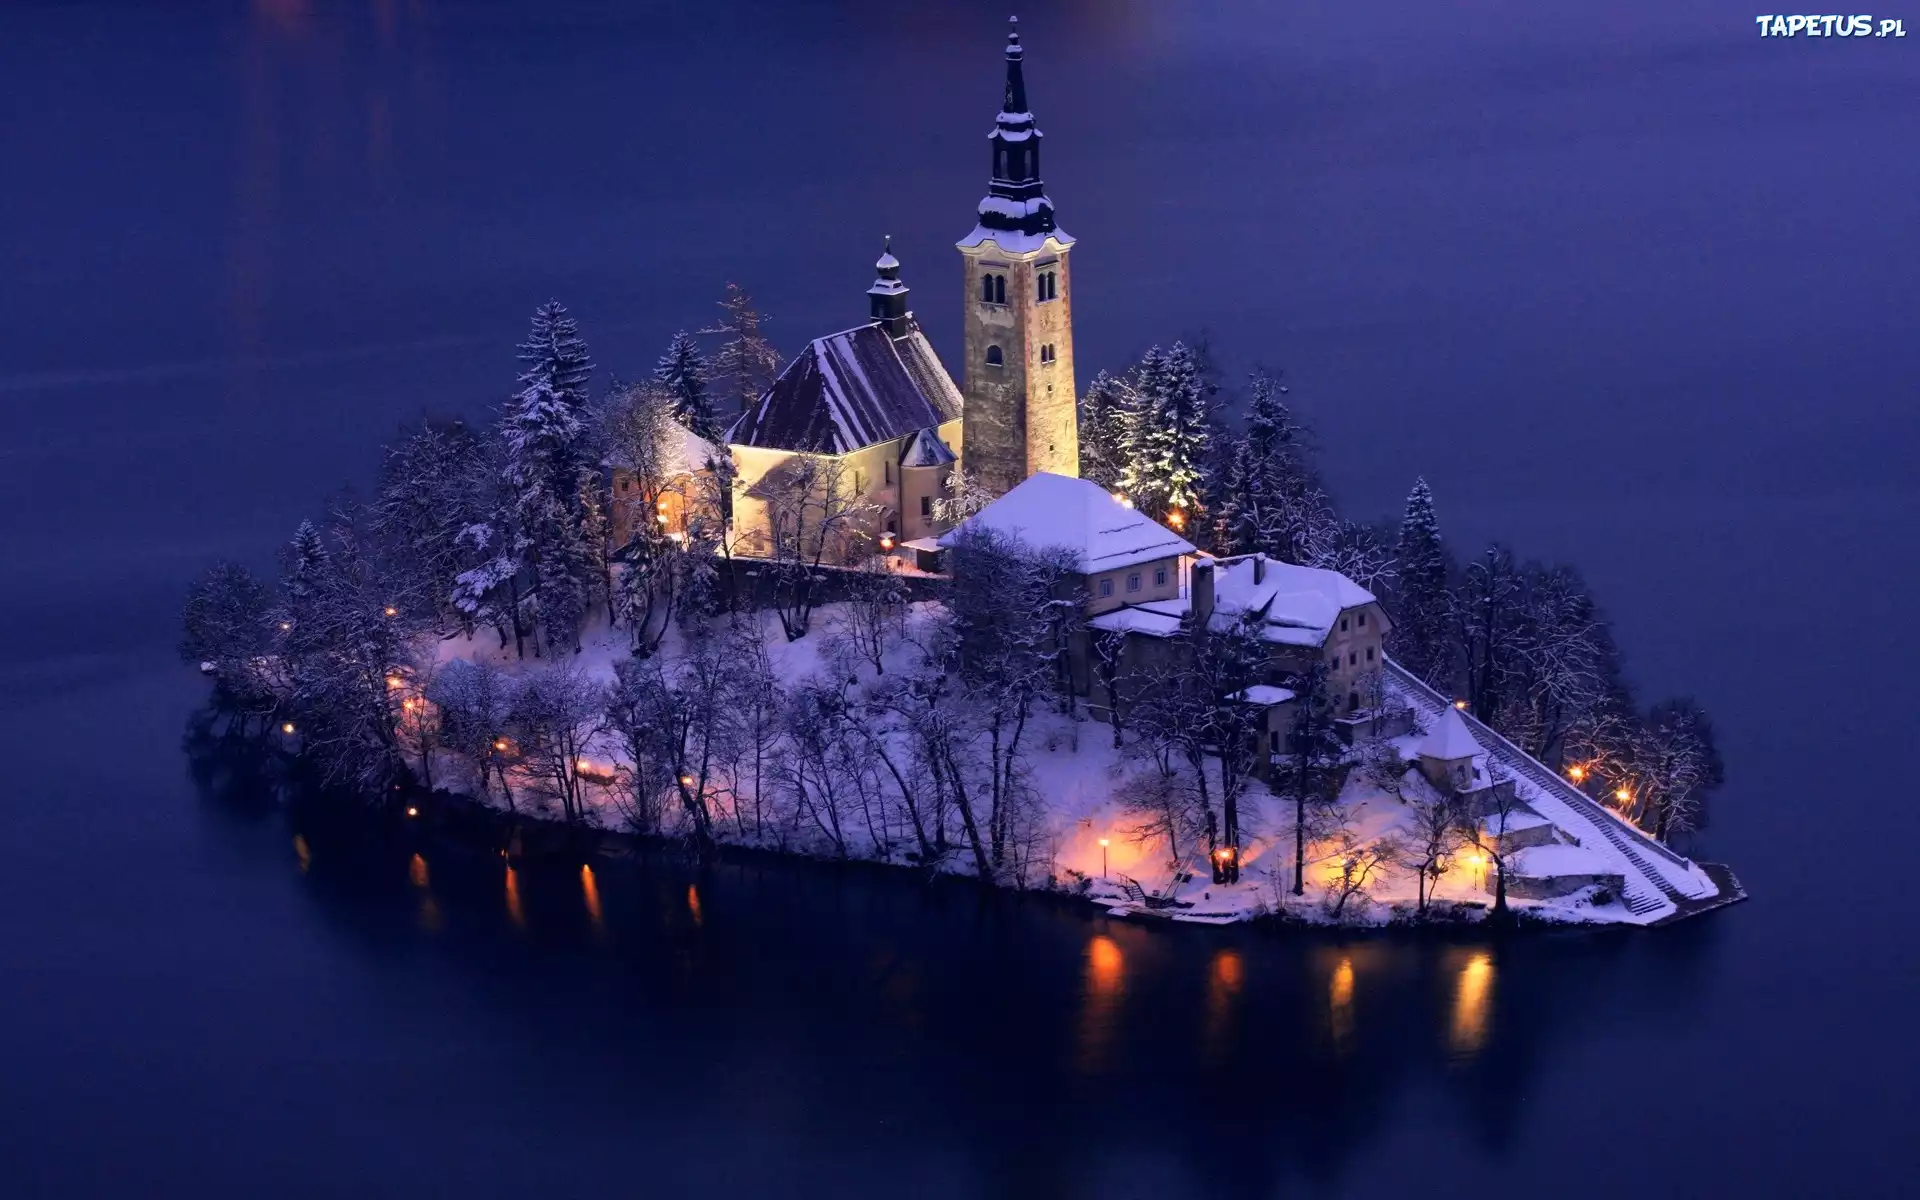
1021	415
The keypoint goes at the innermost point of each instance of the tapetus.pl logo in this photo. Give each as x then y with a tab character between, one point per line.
1859	25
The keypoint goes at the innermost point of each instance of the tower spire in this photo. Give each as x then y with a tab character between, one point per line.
1016	98
887	298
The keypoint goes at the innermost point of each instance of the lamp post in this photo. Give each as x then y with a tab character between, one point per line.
1103	857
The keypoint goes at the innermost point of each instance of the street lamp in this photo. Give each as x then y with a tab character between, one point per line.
1576	773
1103	857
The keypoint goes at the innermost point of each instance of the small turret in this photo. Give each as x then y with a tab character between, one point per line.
887	298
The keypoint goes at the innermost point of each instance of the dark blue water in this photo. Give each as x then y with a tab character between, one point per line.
1632	288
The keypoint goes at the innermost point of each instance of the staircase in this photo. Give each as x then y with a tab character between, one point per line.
1654	888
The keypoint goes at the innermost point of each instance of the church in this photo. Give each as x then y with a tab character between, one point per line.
873	409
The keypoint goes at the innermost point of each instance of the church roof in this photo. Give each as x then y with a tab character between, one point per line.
927	450
1450	739
1048	511
851	389
1016	214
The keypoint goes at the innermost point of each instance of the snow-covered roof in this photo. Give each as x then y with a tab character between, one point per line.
1014	242
927	450
1048	511
1298	605
1545	862
1513	822
1450	739
851	389
1138	618
1266	694
682	452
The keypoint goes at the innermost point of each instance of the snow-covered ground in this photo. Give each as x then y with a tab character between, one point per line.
1092	843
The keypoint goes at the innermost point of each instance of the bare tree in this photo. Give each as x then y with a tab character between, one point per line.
475	704
815	519
556	715
227	629
1358	863
873	617
1311	765
679	723
1485	819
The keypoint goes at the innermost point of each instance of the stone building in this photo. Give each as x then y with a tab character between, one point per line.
1021	409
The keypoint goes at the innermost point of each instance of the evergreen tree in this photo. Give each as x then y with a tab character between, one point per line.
682	370
1270	498
1167	434
542	439
1421	638
1104	413
304	558
746	363
556	355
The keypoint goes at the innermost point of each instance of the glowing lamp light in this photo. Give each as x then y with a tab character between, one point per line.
1460	704
886	541
1177	517
662	506
1121	498
392	611
407	704
1104	843
412	811
285	625
287	728
686	781
499	743
583	764
1622	795
1576	773
662	518
394	683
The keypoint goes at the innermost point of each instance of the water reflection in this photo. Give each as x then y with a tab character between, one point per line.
1471	998
515	913
1100	1006
301	852
590	892
1226	973
847	991
1340	1004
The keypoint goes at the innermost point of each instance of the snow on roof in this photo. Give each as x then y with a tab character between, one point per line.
1012	242
1450	739
1266	694
927	450
1545	862
1513	822
682	452
1048	511
1137	618
851	389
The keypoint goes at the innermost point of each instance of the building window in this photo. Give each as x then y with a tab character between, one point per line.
1106	587
1046	286
1363	620
1369	653
1133	582
1353	701
999	289
1159	577
1353	658
886	470
986	289
926	506
1046	353
994	357
1334	662
1343	624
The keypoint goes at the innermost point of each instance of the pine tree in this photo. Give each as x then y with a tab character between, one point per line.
683	371
1271	499
1103	429
1421	638
1167	434
556	354
304	558
542	439
746	363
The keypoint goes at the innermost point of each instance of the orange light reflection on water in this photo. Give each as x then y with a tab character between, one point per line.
1471	999
417	871
515	913
693	904
303	853
590	892
1340	1004
1226	974
1100	1002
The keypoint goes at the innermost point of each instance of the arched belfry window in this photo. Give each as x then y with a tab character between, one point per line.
994	357
999	289
986	289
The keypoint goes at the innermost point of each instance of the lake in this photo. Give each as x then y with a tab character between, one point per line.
1633	289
